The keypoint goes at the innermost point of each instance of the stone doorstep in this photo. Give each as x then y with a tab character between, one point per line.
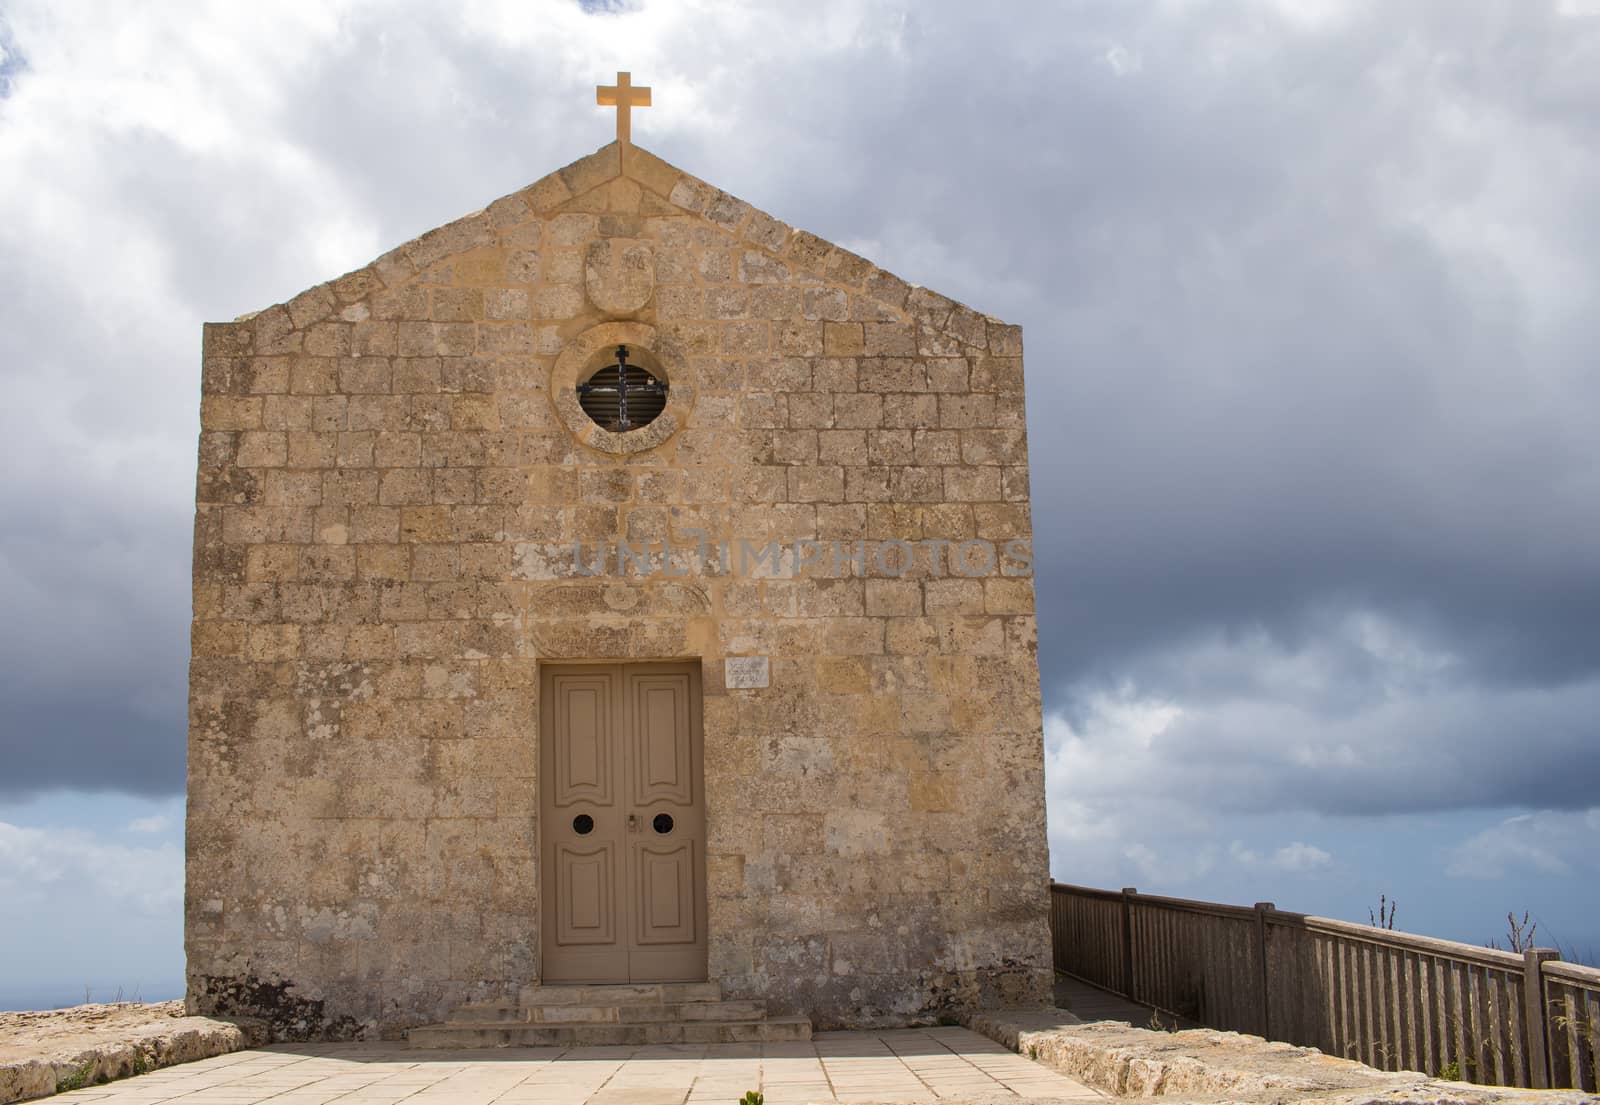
510	1034
667	1011
620	994
581	1016
610	1014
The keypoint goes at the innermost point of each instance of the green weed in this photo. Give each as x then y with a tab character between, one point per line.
78	1079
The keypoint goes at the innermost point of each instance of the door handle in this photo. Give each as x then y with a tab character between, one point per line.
633	822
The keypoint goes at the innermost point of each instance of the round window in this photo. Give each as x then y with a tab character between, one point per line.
615	362
621	397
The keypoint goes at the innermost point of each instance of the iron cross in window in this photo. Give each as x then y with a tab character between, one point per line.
629	380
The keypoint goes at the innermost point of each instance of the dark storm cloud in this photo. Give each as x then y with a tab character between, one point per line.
94	600
94	552
1422	752
1308	303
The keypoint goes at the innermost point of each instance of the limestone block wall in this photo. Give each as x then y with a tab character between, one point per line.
398	507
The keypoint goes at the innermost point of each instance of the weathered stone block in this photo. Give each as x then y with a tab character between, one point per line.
843	339
619	274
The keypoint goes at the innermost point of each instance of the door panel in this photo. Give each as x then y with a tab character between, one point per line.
666	861
584	758
622	823
586	879
666	888
662	748
583	845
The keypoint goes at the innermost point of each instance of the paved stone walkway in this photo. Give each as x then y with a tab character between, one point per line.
1089	1002
906	1065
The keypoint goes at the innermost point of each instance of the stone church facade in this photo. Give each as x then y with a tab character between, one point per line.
487	693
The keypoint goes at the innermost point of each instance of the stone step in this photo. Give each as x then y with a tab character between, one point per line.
488	1013
647	1014
627	994
510	1034
506	1013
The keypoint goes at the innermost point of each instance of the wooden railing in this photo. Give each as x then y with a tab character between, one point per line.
1389	999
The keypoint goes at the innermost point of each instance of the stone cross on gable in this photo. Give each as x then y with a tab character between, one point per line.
624	96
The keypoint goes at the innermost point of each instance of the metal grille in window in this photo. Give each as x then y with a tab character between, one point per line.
622	397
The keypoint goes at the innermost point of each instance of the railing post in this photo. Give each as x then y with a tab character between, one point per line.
1261	966
1056	939
1535	1017
1127	940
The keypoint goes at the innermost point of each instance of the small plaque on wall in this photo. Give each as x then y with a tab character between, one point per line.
746	673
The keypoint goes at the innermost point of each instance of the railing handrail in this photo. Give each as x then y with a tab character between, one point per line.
1409	941
1573	972
1372	934
1085	891
1190	905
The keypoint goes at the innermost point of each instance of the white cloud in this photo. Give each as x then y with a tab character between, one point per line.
1104	824
1292	858
1173	865
1123	61
155	823
1317	15
1299	857
45	870
1548	842
93	905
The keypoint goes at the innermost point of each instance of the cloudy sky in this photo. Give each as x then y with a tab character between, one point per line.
1309	291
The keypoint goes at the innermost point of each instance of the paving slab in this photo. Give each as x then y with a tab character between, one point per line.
1089	1002
899	1065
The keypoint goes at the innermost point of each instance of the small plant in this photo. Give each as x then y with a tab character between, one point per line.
1584	1028
1033	1053
1472	1050
1156	1023
1383	919
78	1079
1519	934
140	1064
753	1097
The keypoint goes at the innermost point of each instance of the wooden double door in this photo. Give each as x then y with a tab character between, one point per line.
622	823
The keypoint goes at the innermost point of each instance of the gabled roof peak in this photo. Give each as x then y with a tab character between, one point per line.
590	185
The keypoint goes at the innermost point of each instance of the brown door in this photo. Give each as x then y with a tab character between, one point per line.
621	824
